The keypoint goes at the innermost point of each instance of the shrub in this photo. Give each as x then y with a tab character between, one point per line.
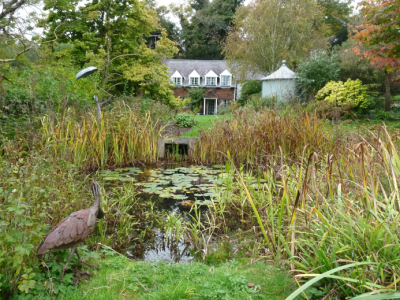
196	96
249	88
349	95
317	71
185	120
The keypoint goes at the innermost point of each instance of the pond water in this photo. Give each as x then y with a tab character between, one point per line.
173	190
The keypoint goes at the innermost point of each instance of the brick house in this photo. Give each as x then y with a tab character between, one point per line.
219	84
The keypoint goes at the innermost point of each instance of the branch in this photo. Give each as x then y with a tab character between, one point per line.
124	55
11	9
3	60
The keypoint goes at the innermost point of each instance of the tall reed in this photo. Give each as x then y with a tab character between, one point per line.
254	138
122	136
328	200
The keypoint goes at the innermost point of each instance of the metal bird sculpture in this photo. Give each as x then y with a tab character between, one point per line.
73	229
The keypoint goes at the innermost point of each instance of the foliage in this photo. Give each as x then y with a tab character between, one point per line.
352	67
351	94
115	43
319	206
249	87
31	197
378	39
205	25
337	17
259	103
185	120
196	96
264	33
317	71
123	135
252	137
379	34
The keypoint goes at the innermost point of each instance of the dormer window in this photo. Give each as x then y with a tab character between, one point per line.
226	78
211	78
194	78
177	78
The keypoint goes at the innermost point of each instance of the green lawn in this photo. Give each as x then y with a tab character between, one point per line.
362	126
123	279
205	122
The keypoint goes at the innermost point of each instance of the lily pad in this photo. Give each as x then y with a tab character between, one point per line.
127	179
180	197
152	190
110	178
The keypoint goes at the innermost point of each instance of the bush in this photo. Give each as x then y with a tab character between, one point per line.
185	120
349	95
258	103
249	88
196	96
318	71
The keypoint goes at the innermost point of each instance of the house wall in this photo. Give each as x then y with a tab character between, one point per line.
283	89
222	93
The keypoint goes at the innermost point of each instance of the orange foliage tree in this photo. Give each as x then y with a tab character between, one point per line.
378	39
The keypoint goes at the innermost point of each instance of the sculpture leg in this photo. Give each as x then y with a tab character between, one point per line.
73	249
82	262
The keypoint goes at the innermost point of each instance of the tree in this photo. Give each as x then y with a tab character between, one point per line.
205	25
111	35
317	71
379	35
265	32
15	31
337	17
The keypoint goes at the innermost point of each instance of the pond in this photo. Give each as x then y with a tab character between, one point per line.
173	190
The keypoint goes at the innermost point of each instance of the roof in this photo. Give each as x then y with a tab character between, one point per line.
202	67
282	73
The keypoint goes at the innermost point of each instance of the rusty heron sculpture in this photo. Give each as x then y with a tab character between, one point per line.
73	230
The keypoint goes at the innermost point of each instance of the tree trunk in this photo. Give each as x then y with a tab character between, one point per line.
387	91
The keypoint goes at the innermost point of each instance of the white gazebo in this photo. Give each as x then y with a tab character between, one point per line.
281	84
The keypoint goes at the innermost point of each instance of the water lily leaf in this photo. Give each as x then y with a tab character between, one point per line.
165	195
110	178
127	179
152	190
179	197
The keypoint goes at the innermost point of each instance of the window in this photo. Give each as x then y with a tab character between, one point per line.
225	102
194	80
211	81
176	80
225	80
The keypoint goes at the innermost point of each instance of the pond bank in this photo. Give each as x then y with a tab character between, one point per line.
120	278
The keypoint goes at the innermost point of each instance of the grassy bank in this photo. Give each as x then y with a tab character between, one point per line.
205	122
119	278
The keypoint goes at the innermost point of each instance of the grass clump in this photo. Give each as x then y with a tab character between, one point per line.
122	137
119	279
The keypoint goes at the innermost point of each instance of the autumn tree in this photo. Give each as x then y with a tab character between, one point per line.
111	35
378	39
265	32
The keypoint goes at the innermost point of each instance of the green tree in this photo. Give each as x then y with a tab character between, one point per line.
205	25
112	35
337	17
250	87
318	70
265	32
